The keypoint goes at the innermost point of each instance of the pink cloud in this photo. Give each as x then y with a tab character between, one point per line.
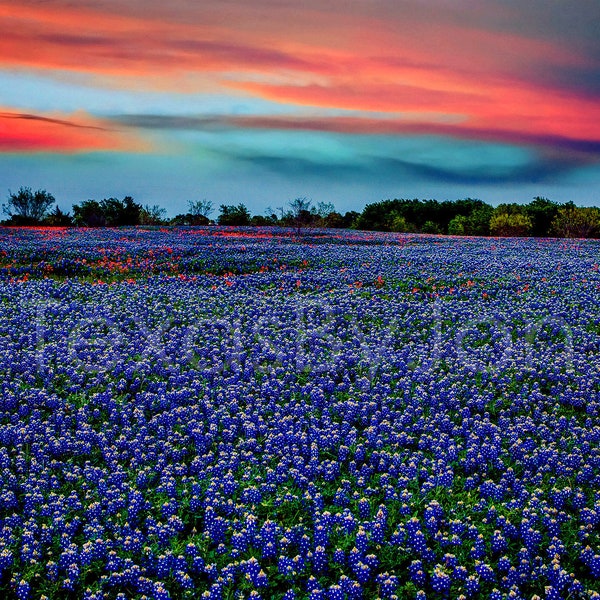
403	57
24	132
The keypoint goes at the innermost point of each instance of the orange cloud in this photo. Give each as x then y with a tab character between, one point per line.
240	38
22	132
90	41
510	106
423	61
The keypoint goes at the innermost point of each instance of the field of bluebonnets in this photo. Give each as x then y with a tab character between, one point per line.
227	414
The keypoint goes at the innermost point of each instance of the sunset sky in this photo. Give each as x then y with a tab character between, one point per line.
343	101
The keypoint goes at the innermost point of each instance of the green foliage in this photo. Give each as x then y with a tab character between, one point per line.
334	220
478	221
189	219
89	214
301	213
197	214
431	227
467	216
511	208
350	218
576	222
458	225
419	215
121	212
375	216
263	220
200	209
108	212
25	207
542	212
234	215
505	223
399	224
300	205
152	215
58	218
324	209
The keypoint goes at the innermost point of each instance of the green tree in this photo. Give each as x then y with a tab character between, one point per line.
376	216
431	227
152	215
511	208
58	218
334	220
399	224
321	212
542	212
350	218
478	221
109	212
300	213
263	220
89	214
507	224
457	225
197	214
25	207
324	208
120	213
379	216
199	211
234	215
576	222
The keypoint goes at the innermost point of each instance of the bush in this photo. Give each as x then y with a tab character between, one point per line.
504	224
152	215
542	213
430	227
458	225
399	224
478	222
234	215
57	218
89	214
110	212
576	222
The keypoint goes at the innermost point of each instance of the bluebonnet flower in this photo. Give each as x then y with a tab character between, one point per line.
339	556
172	410
319	560
335	593
261	579
23	590
417	573
159	592
485	572
478	550
364	508
362	540
498	543
471	586
388	584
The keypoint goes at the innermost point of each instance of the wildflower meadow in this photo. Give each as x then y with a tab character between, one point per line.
232	413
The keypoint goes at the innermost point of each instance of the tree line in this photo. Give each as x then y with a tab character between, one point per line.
471	217
540	218
28	208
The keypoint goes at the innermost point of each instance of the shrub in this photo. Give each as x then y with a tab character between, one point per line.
504	224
